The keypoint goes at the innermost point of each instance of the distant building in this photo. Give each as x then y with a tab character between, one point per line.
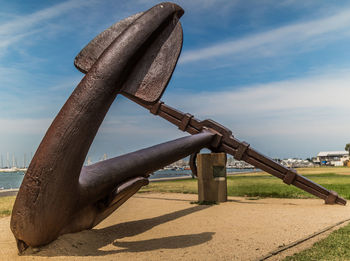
333	158
296	163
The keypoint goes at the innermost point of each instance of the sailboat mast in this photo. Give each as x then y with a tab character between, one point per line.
8	160
13	160
24	161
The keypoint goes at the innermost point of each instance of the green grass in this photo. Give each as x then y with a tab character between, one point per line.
6	204
269	186
263	185
334	247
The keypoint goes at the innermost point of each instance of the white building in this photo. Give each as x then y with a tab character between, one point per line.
333	158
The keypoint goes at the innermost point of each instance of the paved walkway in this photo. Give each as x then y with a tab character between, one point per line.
168	227
8	192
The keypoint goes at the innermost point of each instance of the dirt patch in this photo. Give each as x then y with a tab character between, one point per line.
168	227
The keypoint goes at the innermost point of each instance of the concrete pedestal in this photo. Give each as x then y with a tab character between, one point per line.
212	181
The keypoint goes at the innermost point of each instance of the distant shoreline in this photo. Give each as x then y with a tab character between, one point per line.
14	191
8	192
12	170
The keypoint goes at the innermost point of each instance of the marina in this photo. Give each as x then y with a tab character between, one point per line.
13	179
13	169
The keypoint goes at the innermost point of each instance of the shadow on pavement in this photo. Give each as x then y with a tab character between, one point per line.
90	242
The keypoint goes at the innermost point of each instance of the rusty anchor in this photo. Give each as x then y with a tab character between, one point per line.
136	58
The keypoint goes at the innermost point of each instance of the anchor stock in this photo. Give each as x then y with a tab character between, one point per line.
241	150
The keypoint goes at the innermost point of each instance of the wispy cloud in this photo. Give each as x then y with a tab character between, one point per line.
283	117
308	106
266	43
296	109
24	126
66	84
295	117
23	26
23	22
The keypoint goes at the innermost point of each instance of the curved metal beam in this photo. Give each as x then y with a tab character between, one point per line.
50	194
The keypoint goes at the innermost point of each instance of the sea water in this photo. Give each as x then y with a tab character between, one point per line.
12	180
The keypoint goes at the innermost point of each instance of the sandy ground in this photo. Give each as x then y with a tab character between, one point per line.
168	227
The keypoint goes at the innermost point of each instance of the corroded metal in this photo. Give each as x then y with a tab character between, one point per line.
58	195
135	57
149	76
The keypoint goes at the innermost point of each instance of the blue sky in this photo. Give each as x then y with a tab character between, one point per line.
276	73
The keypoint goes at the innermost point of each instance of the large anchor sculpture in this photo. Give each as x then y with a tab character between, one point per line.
136	58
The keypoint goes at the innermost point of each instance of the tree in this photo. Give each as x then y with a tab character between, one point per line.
347	147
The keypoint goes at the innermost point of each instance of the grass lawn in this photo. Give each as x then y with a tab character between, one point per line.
261	184
6	204
334	247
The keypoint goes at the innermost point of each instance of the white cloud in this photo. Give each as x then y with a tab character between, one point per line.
271	42
23	26
24	126
311	107
67	84
316	92
293	113
295	117
276	97
24	22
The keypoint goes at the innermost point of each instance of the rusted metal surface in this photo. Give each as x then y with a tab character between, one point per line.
135	57
57	195
193	164
148	77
